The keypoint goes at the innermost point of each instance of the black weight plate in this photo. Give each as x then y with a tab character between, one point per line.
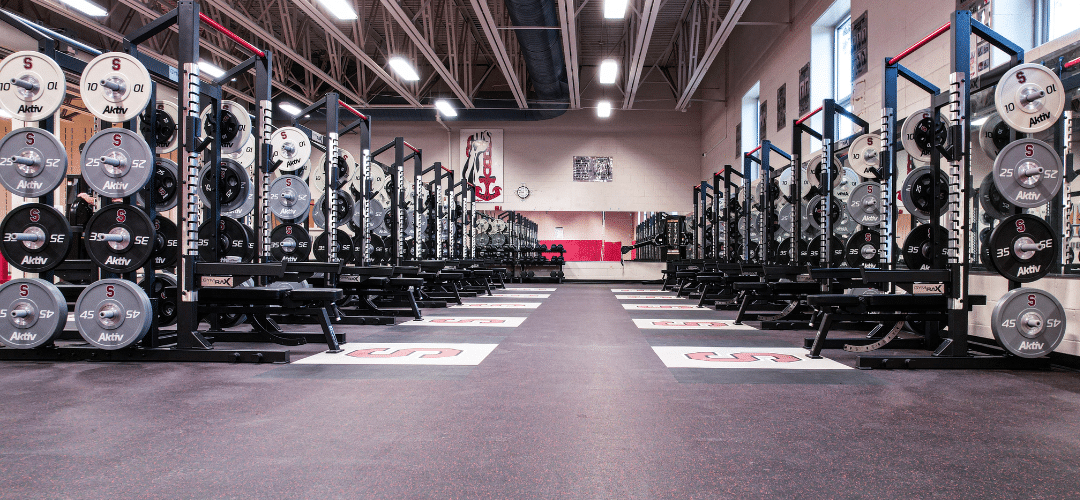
166	188
862	249
918	191
233	183
814	208
344	247
992	202
783	251
45	235
166	243
232	243
290	243
119	238
164	290
918	247
813	251
1022	248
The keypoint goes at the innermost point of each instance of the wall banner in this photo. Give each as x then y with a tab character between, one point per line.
483	162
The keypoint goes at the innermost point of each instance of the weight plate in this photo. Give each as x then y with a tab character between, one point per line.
246	155
33	313
813	251
1022	248
289	198
115	87
164	290
993	203
36	237
994	134
119	238
113	314
344	247
863	155
782	251
33	86
33	162
290	243
861	249
249	253
164	130
848	180
812	212
1028	173
292	147
235	126
1028	322
917	192
165	192
846	225
234	183
346	165
380	185
813	174
343	204
166	243
233	241
117	163
864	204
916	136
918	247
1029	98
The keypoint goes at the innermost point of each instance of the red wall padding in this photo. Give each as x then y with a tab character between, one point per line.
586	250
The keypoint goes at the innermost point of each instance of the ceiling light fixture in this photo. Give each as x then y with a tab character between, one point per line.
405	70
608	70
445	108
289	108
614	9
603	109
87	7
210	69
342	9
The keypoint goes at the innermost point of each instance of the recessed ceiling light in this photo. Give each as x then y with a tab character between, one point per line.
289	108
342	9
608	70
405	70
210	69
603	109
87	7
445	108
614	9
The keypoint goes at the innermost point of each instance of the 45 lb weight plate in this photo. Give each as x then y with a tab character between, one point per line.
1028	322
33	313
32	162
113	314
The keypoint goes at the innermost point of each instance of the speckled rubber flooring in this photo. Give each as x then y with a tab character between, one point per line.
576	402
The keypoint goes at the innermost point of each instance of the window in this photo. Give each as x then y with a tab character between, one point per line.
830	64
750	109
843	72
1062	17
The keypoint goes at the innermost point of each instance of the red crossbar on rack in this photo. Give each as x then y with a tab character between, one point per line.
808	115
236	38
945	27
352	110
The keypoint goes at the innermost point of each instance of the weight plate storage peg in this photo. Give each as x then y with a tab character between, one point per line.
115	87
1029	97
1028	173
918	247
166	243
36	237
117	162
164	129
1028	322
232	244
344	248
992	202
119	238
32	162
235	126
1022	248
864	203
994	134
919	135
343	206
290	243
861	249
292	147
32	86
113	314
863	155
918	191
235	187
289	198
33	313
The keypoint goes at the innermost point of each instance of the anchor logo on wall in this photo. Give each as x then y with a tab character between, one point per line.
478	153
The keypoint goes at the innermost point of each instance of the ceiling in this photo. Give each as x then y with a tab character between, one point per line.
465	50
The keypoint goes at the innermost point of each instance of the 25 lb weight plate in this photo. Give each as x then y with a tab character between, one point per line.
1028	322
290	243
861	249
1028	173
1022	248
113	314
292	147
864	204
814	208
919	250
164	127
117	162
289	198
119	238
36	237
863	155
33	313
1029	98
115	87
32	86
32	162
917	193
164	192
919	135
343	207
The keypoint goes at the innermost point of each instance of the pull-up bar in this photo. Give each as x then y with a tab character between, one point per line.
446	169
233	36
410	146
945	27
352	110
1072	63
752	151
808	115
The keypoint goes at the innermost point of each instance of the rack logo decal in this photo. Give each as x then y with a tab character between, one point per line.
465	321
403	354
770	358
689	324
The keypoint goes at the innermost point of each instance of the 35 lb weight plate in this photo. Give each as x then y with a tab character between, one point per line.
119	238
861	249
235	127
289	198
113	314
33	313
992	202
36	237
32	86
117	162
836	251
919	135
115	87
917	193
164	127
918	248
232	242
783	251
344	247
32	162
864	204
1022	248
863	155
290	243
292	147
166	243
1028	173
1029	98
1028	322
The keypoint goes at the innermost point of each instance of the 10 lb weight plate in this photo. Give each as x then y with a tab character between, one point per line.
32	162
1028	173
994	134
343	206
917	192
290	243
246	155
119	238
289	198
33	313
292	147
36	237
115	87
1028	322
117	162
1022	248
32	86
1029	98
814	174
863	155
113	314
346	166
235	127
919	135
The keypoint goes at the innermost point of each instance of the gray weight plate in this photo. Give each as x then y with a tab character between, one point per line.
292	147
785	217
32	86
246	155
864	204
992	202
117	162
113	314
235	126
1030	98
36	238
846	225
33	162
916	136
234	184
33	313
115	87
1028	322
343	203
863	155
1028	173
289	198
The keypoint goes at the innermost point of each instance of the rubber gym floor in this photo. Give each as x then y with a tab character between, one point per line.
577	401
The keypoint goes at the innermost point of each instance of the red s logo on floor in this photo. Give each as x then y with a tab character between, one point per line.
743	357
436	352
